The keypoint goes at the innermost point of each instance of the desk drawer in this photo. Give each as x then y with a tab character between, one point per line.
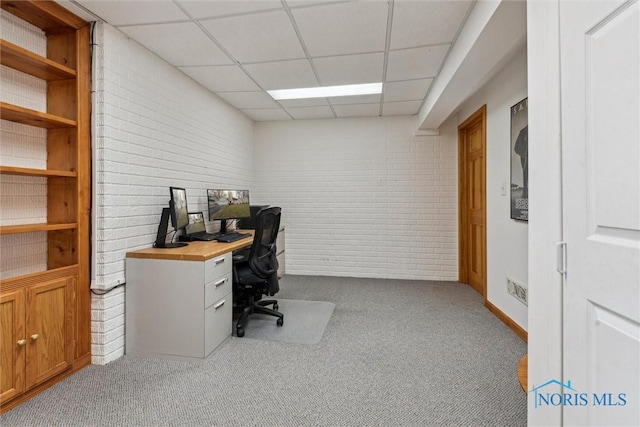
218	323
217	289
217	267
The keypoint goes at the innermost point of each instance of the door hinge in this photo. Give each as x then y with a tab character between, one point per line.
561	257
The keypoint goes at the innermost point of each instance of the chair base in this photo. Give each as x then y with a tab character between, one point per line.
258	307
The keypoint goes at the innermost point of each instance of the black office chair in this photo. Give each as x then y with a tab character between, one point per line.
257	274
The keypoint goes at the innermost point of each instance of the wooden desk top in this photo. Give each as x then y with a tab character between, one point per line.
195	251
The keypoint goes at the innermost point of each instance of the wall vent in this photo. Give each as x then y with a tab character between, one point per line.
518	291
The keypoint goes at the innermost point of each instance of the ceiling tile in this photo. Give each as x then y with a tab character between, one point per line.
358	99
303	113
309	102
179	44
199	9
420	23
410	90
248	100
221	78
135	12
357	110
417	63
404	108
283	74
266	114
350	69
265	36
327	28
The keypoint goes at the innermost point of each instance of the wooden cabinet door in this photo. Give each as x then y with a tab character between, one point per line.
49	325
12	345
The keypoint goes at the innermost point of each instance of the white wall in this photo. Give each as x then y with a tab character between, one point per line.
507	239
155	128
362	197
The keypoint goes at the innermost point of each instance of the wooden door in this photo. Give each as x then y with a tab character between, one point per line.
472	201
49	316
600	59
12	345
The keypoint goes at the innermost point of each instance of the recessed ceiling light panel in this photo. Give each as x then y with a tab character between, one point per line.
326	91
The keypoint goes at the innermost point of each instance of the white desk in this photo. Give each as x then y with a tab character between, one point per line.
179	302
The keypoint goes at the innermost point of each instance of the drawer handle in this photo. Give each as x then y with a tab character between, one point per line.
219	261
218	305
22	342
221	282
34	337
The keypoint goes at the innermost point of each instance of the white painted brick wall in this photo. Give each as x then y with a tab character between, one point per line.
23	200
362	197
155	128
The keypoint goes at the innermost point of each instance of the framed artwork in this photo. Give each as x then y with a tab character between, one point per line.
520	161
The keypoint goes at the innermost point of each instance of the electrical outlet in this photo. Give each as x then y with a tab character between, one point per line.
518	291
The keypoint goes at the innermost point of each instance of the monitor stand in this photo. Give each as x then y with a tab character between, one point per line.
163	228
223	227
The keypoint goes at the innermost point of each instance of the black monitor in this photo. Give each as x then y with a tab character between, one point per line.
179	214
228	204
178	206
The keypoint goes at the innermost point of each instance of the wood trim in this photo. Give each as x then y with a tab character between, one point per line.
507	321
83	211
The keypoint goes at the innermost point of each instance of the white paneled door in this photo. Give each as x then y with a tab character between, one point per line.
601	211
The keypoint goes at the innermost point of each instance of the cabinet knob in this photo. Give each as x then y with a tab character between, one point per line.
22	342
34	337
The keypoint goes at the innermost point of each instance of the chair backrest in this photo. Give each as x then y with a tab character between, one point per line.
262	258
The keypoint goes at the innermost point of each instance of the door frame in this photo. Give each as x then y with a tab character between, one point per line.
480	116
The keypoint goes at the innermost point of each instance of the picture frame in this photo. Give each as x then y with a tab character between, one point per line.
519	174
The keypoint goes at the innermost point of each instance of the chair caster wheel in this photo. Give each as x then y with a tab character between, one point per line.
240	332
275	307
280	321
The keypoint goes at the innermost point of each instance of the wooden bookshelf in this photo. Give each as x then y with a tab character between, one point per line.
46	315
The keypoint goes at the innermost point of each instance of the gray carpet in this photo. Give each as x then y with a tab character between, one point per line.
394	353
304	322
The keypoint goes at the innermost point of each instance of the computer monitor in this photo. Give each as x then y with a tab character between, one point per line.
179	214
196	224
228	204
178	206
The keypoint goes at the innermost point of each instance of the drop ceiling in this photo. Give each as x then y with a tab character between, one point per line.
239	49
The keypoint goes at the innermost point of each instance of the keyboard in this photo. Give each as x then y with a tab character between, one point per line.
205	237
231	237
